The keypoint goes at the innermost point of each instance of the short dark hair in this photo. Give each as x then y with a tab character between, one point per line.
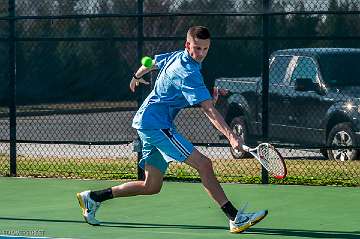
199	32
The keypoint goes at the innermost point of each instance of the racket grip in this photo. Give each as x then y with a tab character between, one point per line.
245	148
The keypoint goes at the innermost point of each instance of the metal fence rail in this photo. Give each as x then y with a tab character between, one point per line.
66	111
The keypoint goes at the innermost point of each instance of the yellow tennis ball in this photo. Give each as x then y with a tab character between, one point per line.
147	61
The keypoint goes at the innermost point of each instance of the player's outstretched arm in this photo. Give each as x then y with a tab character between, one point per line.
137	77
218	121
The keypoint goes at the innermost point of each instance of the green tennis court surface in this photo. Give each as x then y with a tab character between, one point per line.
48	208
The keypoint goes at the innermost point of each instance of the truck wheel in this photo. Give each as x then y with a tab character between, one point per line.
238	126
342	135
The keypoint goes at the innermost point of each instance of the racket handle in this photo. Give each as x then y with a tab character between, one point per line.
245	148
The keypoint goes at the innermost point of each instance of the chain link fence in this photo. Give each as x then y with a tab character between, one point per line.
74	59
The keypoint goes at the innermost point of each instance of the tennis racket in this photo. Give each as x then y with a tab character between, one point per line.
270	158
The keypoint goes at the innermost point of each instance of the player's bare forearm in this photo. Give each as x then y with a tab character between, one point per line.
217	120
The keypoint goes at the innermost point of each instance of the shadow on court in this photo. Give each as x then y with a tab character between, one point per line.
255	230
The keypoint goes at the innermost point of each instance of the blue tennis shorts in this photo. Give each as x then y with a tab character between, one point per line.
162	146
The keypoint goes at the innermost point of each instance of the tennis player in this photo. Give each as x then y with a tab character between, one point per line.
178	85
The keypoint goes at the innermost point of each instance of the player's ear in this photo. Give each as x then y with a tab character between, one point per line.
187	45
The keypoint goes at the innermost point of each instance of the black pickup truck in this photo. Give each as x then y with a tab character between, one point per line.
314	100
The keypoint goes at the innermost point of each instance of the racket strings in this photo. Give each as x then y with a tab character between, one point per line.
271	159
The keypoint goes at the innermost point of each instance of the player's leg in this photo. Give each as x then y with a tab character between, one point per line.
239	220
151	185
90	200
173	146
154	165
205	169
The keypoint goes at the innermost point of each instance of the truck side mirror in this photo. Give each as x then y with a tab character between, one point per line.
304	84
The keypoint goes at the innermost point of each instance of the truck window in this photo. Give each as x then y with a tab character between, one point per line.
305	67
341	69
278	69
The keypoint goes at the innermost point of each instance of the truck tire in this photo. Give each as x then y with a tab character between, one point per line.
342	135
238	126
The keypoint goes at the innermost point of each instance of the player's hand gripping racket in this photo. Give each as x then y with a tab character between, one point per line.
270	158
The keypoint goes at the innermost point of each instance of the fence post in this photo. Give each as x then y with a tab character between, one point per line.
265	82
12	86
140	43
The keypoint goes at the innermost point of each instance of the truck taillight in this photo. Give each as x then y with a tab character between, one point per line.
219	92
223	92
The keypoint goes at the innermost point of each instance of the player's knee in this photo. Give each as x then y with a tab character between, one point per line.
155	190
150	190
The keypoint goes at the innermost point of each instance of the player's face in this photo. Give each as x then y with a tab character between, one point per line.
197	48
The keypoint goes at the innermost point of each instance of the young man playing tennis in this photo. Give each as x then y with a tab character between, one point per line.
178	85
